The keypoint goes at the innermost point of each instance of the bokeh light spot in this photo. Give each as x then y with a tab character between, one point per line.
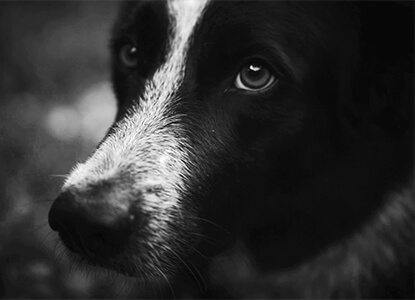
88	119
63	122
97	108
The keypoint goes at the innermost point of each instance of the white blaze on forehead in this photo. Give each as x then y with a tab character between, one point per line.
149	146
184	15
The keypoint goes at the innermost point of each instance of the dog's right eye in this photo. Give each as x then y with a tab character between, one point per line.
128	55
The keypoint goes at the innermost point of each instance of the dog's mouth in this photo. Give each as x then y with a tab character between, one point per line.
100	253
136	240
97	247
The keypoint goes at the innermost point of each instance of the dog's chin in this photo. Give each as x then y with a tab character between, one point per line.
123	264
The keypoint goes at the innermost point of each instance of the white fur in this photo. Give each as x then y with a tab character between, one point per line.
148	148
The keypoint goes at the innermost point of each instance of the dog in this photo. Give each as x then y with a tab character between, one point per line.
261	149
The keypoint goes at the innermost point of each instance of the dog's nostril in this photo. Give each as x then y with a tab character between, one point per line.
94	227
58	211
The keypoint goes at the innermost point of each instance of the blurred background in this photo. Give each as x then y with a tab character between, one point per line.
55	106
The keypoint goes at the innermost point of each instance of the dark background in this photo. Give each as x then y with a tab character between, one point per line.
55	105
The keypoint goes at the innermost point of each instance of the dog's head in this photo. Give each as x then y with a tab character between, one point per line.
225	108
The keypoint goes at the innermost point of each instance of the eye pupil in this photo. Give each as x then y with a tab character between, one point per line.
255	72
129	55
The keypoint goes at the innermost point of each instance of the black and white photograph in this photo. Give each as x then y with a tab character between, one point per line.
207	149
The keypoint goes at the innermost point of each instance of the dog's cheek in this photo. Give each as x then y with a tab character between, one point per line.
251	143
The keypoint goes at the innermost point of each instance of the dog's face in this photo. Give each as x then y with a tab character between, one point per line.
223	106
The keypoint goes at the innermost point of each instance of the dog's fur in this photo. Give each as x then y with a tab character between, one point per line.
304	190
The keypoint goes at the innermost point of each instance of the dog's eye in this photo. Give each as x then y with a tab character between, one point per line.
128	55
254	76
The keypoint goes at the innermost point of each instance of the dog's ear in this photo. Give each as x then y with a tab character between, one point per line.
383	100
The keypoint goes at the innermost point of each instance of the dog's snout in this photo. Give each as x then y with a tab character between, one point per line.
92	227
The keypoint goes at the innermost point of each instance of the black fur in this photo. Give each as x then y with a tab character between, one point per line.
308	185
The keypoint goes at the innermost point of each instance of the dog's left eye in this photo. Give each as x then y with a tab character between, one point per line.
254	76
128	55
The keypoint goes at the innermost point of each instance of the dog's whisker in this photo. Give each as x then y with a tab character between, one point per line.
208	221
31	203
197	280
167	281
39	227
59	175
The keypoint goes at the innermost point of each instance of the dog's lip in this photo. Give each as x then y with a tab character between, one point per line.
67	239
75	247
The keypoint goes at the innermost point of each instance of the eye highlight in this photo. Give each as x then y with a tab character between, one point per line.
128	55
254	76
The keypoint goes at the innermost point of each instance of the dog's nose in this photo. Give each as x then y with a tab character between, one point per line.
91	227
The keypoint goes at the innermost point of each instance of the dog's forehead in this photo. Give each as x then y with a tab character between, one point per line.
181	9
164	47
180	15
184	15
